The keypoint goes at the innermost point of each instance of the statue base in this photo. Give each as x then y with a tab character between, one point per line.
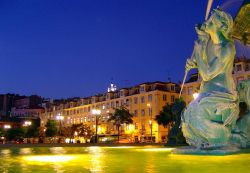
197	151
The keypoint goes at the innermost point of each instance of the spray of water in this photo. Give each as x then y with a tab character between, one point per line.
209	5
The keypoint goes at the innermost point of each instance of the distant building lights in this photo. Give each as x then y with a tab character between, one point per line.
59	117
96	112
7	126
112	88
27	123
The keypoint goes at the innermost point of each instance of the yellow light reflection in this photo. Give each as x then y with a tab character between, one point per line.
155	149
49	158
121	147
208	158
24	151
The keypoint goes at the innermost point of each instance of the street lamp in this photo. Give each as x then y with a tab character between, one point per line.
97	113
59	117
27	123
150	121
7	126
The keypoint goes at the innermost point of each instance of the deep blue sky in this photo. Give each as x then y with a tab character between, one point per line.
74	48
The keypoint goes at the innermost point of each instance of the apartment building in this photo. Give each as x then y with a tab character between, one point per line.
144	101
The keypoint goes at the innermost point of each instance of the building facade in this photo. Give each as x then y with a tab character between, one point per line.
144	101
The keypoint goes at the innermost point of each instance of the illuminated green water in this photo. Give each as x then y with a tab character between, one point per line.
116	159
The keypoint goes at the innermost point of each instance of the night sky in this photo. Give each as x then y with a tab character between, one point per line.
69	48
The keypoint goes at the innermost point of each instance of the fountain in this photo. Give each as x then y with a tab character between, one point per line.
213	122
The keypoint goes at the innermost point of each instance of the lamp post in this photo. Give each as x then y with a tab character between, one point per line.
27	123
150	121
7	126
59	117
97	113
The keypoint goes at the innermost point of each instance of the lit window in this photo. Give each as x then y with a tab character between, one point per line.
172	98
172	88
121	93
142	112
135	100
164	97
127	102
135	113
142	99
142	89
150	97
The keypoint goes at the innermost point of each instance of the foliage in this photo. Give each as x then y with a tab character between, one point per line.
33	129
170	116
51	128
15	133
83	130
2	133
166	116
119	117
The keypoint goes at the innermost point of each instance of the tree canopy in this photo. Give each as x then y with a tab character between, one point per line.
170	116
119	117
51	128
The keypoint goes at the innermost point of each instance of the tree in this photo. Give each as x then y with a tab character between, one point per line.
15	133
170	117
175	135
33	129
82	130
119	117
166	116
2	133
51	128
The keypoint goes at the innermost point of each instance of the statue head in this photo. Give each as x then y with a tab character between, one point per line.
219	22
